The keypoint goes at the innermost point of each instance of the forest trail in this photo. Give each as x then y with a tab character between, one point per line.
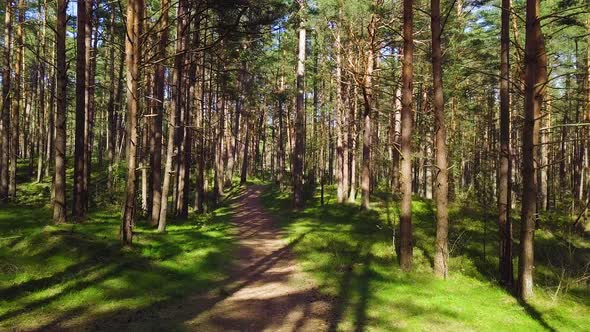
268	291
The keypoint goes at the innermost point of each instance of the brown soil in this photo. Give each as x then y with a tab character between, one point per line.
269	291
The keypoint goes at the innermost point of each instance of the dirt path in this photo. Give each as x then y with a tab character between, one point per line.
268	292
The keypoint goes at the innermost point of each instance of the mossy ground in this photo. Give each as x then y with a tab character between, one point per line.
351	255
79	275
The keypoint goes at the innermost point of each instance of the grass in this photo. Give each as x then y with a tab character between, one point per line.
351	256
78	275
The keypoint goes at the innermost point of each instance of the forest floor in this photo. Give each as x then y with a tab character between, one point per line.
268	291
255	264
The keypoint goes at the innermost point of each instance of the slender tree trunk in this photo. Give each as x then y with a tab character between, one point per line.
79	206
369	103
133	55
17	102
299	150
6	102
340	194
88	100
536	71
111	117
244	173
441	252
406	245
156	133
504	222
170	149
42	135
59	181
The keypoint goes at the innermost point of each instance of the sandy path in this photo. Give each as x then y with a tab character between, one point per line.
268	292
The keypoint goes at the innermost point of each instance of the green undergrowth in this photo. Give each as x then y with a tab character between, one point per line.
79	276
350	253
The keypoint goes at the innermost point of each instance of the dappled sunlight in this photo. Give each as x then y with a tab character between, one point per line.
350	253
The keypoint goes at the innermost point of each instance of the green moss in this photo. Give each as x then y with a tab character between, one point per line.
351	256
79	274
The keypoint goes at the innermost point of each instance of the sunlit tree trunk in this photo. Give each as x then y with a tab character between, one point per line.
17	101
299	150
171	149
406	245
156	133
59	181
369	103
536	77
441	251
132	59
79	206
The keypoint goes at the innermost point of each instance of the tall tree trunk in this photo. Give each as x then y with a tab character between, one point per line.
79	206
111	116
369	104
156	133
6	102
299	150
59	181
17	101
536	76
504	221
88	97
406	246
170	148
340	193
133	55
441	252
41	106
395	136
244	173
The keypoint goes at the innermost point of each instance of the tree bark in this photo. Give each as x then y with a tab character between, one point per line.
156	133
59	181
536	76
441	252
79	206
504	221
369	104
17	101
171	149
406	246
6	102
132	59
299	150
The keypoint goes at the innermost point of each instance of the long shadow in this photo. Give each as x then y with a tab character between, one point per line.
189	307
536	315
344	292
364	293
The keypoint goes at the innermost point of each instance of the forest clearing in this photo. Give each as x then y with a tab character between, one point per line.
295	165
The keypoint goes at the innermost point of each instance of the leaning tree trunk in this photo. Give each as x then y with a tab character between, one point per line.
536	71
441	251
406	246
133	51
